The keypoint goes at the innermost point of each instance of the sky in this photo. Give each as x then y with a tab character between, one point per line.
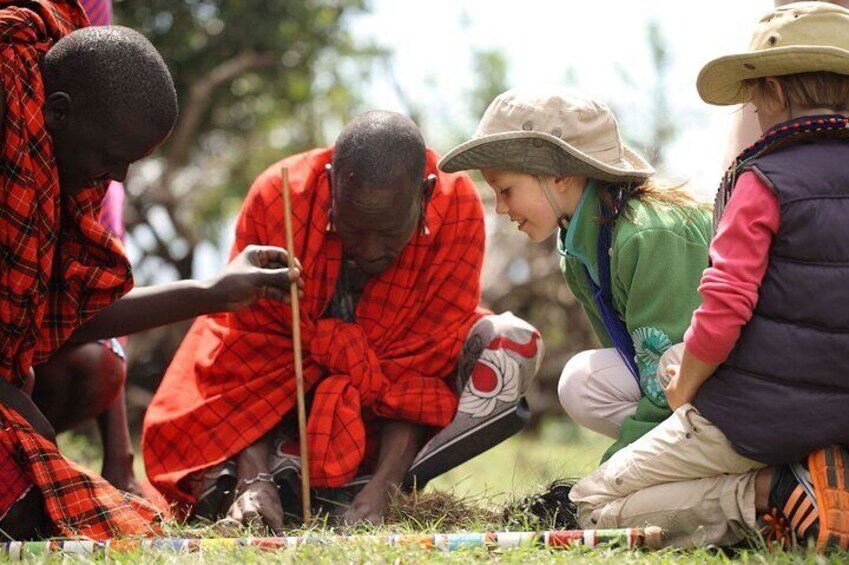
433	45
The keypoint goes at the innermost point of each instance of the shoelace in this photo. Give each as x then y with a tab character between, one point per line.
778	530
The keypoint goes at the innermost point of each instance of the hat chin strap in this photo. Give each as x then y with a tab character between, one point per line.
562	218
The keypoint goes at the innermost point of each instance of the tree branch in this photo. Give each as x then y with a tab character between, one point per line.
200	98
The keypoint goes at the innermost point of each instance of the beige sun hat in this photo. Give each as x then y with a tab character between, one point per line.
802	37
549	131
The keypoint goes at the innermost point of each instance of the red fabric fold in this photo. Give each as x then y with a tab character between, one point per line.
232	380
77	503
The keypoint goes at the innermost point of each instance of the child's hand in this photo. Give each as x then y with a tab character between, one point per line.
677	394
686	379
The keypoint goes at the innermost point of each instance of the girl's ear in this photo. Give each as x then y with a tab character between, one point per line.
564	183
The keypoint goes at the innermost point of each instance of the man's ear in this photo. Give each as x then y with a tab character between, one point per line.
427	188
328	170
57	109
428	184
331	213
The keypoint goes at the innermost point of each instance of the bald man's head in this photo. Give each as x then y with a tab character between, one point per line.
378	185
109	101
377	148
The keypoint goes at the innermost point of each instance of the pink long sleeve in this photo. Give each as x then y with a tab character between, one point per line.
739	254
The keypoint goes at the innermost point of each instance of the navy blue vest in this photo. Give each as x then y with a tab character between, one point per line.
784	390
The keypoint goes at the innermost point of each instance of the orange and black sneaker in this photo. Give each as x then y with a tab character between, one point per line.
829	469
793	517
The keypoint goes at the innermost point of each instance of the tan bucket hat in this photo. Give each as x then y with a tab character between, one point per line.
802	37
549	131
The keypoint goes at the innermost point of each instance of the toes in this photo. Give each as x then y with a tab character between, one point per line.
252	519
227	527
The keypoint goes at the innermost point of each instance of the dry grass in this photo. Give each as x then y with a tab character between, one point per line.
442	511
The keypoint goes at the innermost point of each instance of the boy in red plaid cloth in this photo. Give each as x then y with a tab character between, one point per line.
391	251
78	108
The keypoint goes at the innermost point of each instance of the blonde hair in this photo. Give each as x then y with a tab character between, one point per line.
615	196
806	90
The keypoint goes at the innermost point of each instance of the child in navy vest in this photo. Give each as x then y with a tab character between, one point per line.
762	381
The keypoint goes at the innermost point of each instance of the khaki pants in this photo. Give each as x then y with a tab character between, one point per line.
683	476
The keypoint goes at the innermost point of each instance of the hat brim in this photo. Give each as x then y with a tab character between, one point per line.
720	81
539	153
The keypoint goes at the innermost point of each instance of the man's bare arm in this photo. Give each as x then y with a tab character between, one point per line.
399	444
257	272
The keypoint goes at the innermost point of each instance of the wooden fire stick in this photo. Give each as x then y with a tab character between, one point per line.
299	364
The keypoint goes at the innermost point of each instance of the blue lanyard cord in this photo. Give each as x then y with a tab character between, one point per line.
603	296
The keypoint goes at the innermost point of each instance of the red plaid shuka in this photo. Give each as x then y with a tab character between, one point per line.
46	289
78	504
232	380
14	484
58	266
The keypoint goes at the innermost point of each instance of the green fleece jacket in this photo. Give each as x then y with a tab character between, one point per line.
657	257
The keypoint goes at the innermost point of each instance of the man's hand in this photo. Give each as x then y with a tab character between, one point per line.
399	443
257	505
371	503
257	272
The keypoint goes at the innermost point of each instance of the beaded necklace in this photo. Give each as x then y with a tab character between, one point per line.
793	131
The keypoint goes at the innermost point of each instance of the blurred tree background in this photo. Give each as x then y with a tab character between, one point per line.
256	80
259	80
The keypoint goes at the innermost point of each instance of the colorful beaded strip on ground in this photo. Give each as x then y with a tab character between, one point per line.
625	537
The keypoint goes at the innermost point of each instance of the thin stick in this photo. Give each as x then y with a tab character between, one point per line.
299	363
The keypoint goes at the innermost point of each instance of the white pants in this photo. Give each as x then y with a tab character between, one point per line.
598	391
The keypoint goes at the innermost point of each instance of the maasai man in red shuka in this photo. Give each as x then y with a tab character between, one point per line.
81	381
58	265
391	250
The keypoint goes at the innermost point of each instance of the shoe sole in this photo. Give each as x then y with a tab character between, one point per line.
829	470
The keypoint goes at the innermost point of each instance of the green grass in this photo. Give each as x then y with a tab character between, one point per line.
474	493
524	464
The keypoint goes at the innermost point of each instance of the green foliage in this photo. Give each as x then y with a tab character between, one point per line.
256	81
664	129
490	69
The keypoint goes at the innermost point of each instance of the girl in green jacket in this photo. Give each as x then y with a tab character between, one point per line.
631	251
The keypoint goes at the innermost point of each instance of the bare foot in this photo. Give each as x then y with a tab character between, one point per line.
258	505
370	505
